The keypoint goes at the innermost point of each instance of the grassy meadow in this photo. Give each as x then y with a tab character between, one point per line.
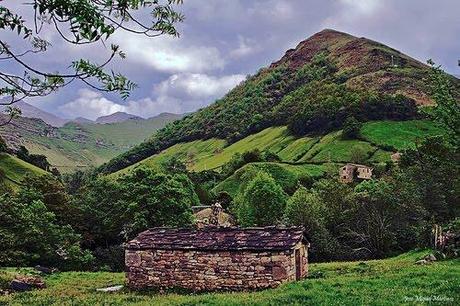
378	141
393	281
15	169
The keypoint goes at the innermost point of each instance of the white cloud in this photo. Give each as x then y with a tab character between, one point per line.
245	47
197	86
169	54
90	104
178	94
363	6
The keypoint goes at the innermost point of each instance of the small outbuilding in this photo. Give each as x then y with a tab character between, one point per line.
216	258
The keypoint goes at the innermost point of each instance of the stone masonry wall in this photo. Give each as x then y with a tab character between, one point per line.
206	271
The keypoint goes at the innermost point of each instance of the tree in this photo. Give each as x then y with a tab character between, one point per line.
30	235
262	202
52	193
156	199
447	110
385	217
351	128
307	209
434	167
85	22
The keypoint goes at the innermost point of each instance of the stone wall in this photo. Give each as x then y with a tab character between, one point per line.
206	271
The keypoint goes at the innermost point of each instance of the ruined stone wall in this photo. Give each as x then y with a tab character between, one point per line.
205	271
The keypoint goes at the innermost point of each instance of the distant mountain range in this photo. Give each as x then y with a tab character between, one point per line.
30	111
80	143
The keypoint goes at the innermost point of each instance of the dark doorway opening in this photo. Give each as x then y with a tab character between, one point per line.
298	265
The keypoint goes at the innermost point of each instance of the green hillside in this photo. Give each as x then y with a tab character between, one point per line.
81	145
393	281
13	170
379	140
398	135
286	175
311	90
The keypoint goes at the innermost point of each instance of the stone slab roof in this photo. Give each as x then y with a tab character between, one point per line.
219	239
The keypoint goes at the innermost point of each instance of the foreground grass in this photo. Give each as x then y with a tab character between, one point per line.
393	281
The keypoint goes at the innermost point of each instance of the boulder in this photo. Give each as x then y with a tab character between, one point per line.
45	270
27	283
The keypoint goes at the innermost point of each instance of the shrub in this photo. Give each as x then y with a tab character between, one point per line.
351	128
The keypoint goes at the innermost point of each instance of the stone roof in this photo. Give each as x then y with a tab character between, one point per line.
219	238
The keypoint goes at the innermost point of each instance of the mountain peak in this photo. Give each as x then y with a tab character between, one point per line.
30	111
117	117
364	62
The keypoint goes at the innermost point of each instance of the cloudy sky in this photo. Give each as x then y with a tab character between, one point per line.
224	40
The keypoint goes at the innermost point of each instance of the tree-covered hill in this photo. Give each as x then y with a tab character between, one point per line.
313	89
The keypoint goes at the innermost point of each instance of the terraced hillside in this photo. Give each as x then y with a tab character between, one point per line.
378	141
13	170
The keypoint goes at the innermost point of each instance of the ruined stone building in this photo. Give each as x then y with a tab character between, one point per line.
216	258
213	215
350	172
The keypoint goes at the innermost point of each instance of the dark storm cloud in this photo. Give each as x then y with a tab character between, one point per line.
222	41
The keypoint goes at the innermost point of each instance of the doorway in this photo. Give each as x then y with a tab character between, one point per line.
298	265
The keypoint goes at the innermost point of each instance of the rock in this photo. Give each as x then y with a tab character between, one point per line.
421	262
44	270
111	289
430	257
26	283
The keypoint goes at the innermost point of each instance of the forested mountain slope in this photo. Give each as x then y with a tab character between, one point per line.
312	90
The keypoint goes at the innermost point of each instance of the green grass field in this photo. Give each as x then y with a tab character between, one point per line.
378	141
15	169
393	281
398	134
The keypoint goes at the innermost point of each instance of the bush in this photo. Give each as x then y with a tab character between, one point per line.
351	128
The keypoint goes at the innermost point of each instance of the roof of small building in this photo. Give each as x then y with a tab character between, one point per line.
357	166
219	238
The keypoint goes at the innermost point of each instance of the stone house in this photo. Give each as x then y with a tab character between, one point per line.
216	258
350	172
